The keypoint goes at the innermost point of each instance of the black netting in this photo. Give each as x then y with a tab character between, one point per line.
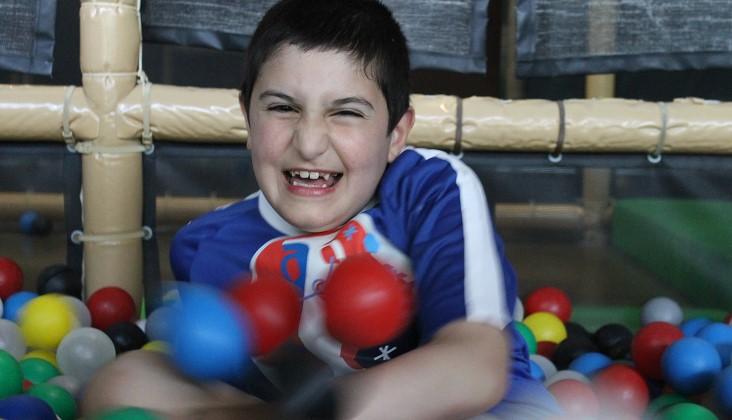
599	36
27	36
446	34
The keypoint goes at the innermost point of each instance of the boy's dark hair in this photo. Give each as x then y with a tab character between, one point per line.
365	29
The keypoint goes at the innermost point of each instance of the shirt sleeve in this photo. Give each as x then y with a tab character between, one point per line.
446	230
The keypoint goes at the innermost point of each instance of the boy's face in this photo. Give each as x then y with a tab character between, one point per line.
318	136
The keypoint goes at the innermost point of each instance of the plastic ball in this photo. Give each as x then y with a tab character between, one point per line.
570	349
565	374
25	407
15	303
46	355
720	335
71	384
690	365
79	309
45	320
723	391
110	305
159	324
1	308
546	348
11	278
272	307
83	351
11	376
687	411
365	302
590	363
34	223
576	398
621	389
549	299
649	344
36	371
546	365
11	339
126	336
157	345
61	401
211	337
126	413
614	340
662	402
661	309
518	310
692	326
59	278
536	371
546	327
576	330
527	335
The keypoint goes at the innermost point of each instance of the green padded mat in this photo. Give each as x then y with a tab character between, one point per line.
686	243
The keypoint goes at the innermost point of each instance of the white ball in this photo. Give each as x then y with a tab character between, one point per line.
545	364
661	309
565	374
80	310
11	339
518	311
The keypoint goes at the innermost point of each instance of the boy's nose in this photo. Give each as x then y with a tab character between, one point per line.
311	138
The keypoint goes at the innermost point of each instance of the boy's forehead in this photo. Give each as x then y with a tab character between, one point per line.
293	67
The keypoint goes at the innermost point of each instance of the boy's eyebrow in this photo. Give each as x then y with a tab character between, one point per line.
276	94
352	99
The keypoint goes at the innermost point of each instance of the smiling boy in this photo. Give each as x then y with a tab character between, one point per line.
326	99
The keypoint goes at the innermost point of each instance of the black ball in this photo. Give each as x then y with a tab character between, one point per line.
614	340
571	348
59	278
576	330
126	336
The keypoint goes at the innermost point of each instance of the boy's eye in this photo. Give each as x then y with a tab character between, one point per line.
281	108
348	113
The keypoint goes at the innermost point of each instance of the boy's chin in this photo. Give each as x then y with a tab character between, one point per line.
315	224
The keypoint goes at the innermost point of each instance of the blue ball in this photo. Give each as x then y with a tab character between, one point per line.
536	371
690	365
15	302
692	326
25	407
210	338
590	363
720	335
33	223
723	391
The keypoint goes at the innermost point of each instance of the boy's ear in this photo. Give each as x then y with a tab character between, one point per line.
246	118
398	136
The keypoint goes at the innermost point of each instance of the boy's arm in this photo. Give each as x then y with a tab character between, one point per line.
461	372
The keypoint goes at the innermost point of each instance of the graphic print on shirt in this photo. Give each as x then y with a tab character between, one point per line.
307	260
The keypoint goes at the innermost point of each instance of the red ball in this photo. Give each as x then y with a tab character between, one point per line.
11	278
621	391
576	398
649	344
546	348
272	307
110	305
728	319
549	299
365	303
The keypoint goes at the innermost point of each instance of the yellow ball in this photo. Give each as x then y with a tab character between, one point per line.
46	355
157	345
45	320
546	327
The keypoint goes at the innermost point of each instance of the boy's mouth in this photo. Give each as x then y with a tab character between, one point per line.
312	179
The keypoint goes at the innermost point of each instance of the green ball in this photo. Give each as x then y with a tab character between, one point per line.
687	411
11	377
127	413
527	335
662	402
60	400
37	371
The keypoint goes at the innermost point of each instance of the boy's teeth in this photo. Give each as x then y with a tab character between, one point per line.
326	176
304	174
314	175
